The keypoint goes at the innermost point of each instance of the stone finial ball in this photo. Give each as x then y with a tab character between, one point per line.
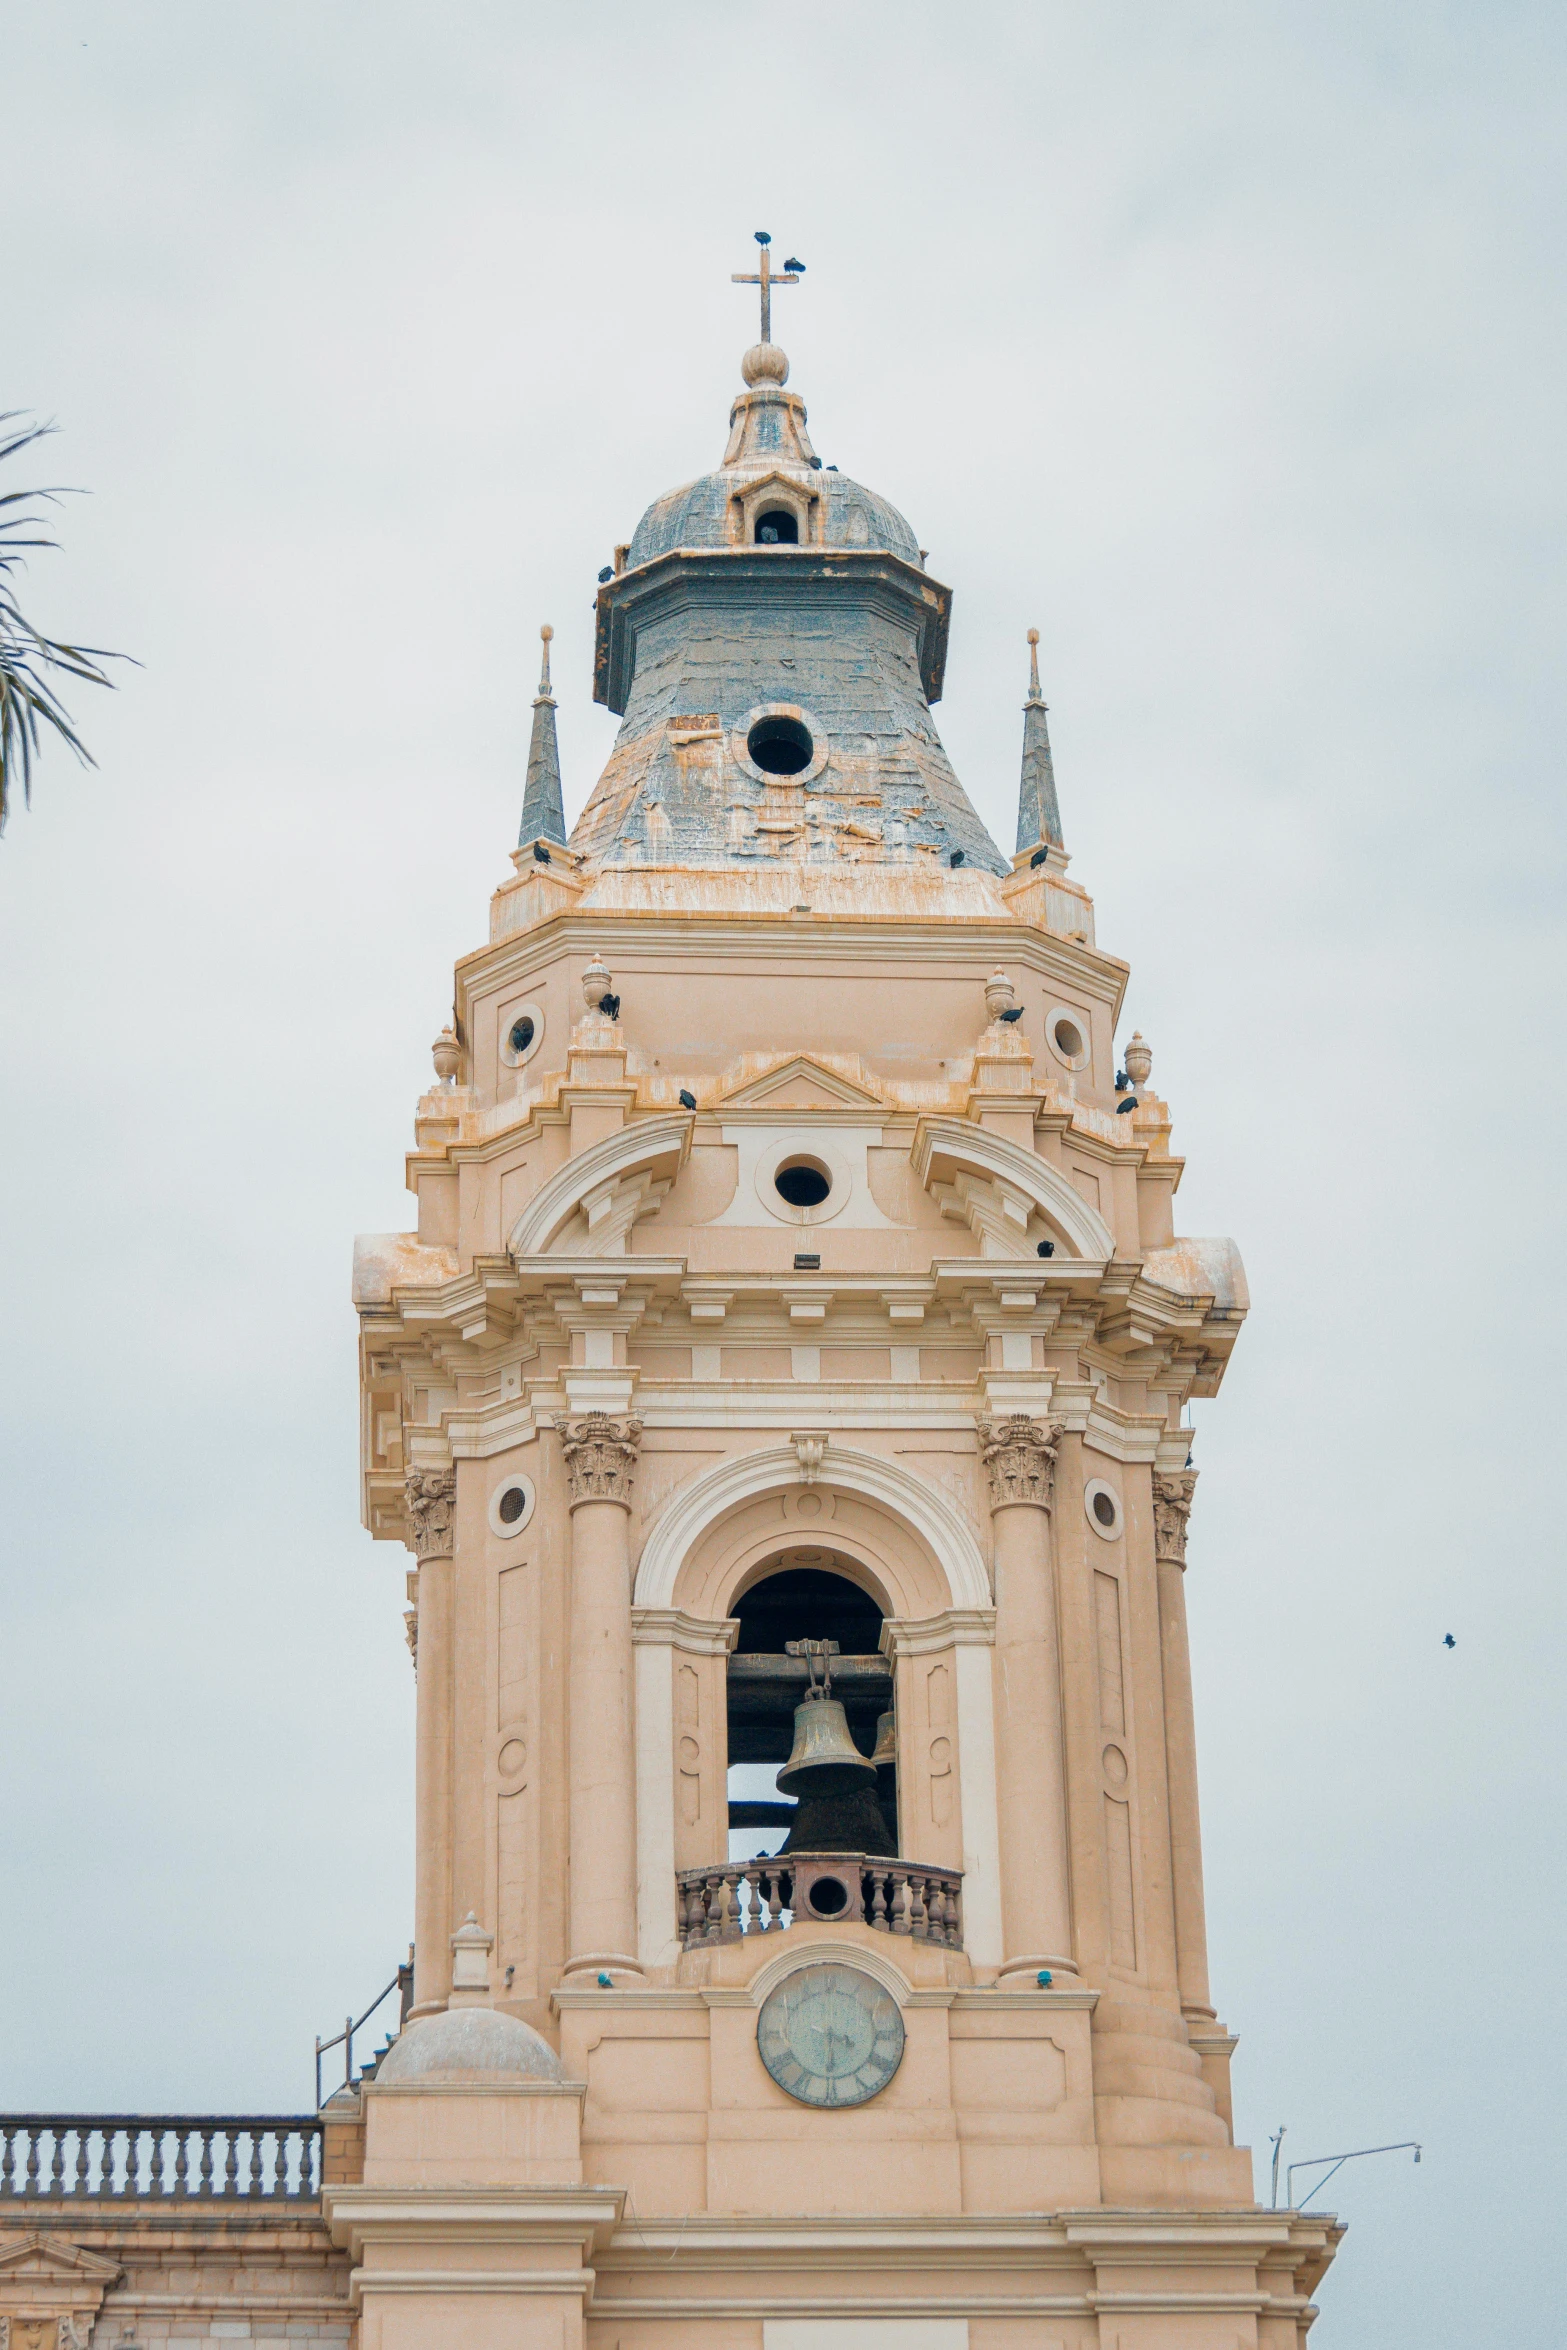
765	363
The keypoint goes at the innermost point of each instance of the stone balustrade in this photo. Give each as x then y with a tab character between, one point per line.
767	1895
148	2157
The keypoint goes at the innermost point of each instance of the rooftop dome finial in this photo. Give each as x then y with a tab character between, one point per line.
764	362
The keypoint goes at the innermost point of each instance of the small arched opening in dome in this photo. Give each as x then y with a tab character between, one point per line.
780	746
777	528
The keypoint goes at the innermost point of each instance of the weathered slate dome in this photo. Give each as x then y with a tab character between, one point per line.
773	641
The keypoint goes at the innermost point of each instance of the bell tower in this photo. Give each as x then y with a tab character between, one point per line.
782	1397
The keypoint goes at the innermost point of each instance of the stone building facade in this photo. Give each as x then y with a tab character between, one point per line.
796	1291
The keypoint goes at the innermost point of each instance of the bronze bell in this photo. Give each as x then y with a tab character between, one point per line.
886	1739
837	1810
825	1760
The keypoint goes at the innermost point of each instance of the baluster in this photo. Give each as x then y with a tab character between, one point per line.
8	2163
309	2141
901	1923
182	2162
919	1924
56	2184
231	2163
132	2182
255	2186
204	2175
280	2164
155	2185
879	1899
84	2138
683	1912
728	1930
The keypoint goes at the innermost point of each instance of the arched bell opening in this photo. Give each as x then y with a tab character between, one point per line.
782	1702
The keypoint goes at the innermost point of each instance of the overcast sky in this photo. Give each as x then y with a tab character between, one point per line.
1223	343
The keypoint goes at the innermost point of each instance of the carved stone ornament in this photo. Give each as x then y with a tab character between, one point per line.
1020	1458
44	2333
431	1496
50	2292
600	1455
1172	1506
809	1451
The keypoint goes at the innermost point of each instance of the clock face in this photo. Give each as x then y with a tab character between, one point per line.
830	2035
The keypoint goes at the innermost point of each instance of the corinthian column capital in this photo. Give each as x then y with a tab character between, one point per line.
1020	1459
431	1499
600	1453
1172	1506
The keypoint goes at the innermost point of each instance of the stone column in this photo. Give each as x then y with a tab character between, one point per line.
431	1498
600	1454
1172	1504
1036	1901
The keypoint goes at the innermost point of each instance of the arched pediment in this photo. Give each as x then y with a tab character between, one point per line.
688	1514
996	1184
609	1188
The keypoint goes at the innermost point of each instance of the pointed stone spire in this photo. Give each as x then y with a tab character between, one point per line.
1038	817
543	810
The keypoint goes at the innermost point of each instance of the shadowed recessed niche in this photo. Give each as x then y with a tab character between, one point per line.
777	528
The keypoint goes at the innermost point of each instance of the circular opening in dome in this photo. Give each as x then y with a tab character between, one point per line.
780	746
804	1183
1104	1509
829	1897
521	1036
777	528
511	1505
1069	1039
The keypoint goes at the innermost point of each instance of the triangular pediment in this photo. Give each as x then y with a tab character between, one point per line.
39	2258
800	1083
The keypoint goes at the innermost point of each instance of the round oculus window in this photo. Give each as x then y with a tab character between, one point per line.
1102	1508
780	746
522	1032
512	1506
1067	1035
803	1183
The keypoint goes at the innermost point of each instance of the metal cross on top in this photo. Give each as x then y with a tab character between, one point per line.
789	275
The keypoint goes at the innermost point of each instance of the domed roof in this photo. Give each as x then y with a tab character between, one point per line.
469	2045
767	435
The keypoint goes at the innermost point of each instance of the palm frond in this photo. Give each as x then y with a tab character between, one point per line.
29	660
